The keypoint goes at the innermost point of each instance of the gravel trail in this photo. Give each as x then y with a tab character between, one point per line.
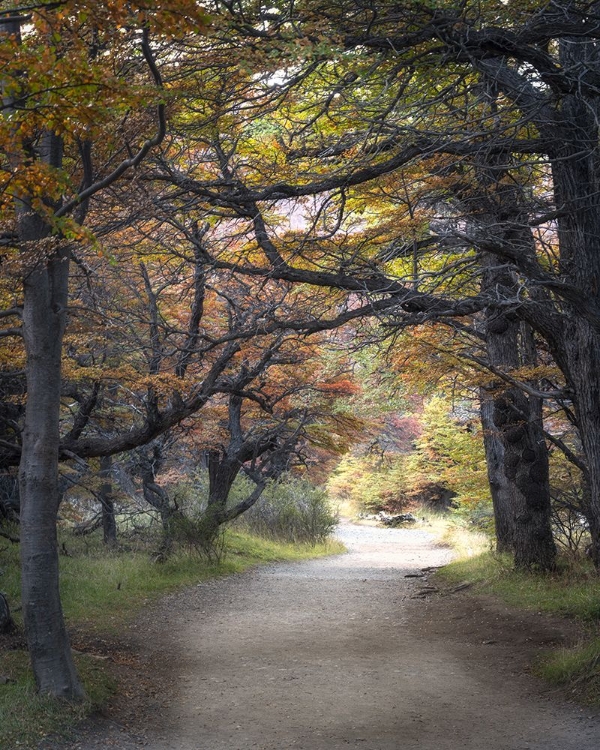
336	654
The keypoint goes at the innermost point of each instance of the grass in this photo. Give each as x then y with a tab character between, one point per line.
465	542
572	591
576	668
26	717
101	591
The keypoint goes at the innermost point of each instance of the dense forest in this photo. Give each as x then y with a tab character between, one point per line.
355	244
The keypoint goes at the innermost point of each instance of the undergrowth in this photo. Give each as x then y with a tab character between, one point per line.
101	591
465	541
292	510
576	668
27	717
572	591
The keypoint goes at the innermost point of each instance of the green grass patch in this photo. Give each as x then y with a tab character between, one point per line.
252	549
101	591
572	591
576	668
27	717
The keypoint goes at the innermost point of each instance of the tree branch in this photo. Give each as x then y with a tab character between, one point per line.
134	161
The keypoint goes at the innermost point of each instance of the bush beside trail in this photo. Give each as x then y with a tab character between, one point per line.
293	511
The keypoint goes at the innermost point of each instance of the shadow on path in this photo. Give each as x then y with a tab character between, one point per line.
334	653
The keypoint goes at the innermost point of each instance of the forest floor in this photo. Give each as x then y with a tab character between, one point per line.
332	653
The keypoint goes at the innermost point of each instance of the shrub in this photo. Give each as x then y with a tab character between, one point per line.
293	510
200	535
570	527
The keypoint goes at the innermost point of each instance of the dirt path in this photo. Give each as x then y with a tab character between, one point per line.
334	654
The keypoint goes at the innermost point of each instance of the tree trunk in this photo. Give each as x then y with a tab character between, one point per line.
583	347
109	522
44	317
518	419
222	472
526	468
158	498
45	292
500	488
151	461
221	476
576	175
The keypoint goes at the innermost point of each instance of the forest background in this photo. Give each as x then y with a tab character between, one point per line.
244	246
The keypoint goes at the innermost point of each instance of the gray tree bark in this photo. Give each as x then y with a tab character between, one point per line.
44	319
46	262
576	174
521	490
500	488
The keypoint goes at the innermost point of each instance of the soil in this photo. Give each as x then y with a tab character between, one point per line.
341	652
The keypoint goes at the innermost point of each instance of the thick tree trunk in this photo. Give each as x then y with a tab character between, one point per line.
221	476
583	347
526	467
500	488
222	472
44	316
576	176
45	292
525	498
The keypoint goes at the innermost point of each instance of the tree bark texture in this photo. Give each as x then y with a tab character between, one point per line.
500	488
525	496
576	173
45	297
45	293
526	467
44	317
583	348
222	472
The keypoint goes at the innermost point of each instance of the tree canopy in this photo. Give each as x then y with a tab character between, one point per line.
202	206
